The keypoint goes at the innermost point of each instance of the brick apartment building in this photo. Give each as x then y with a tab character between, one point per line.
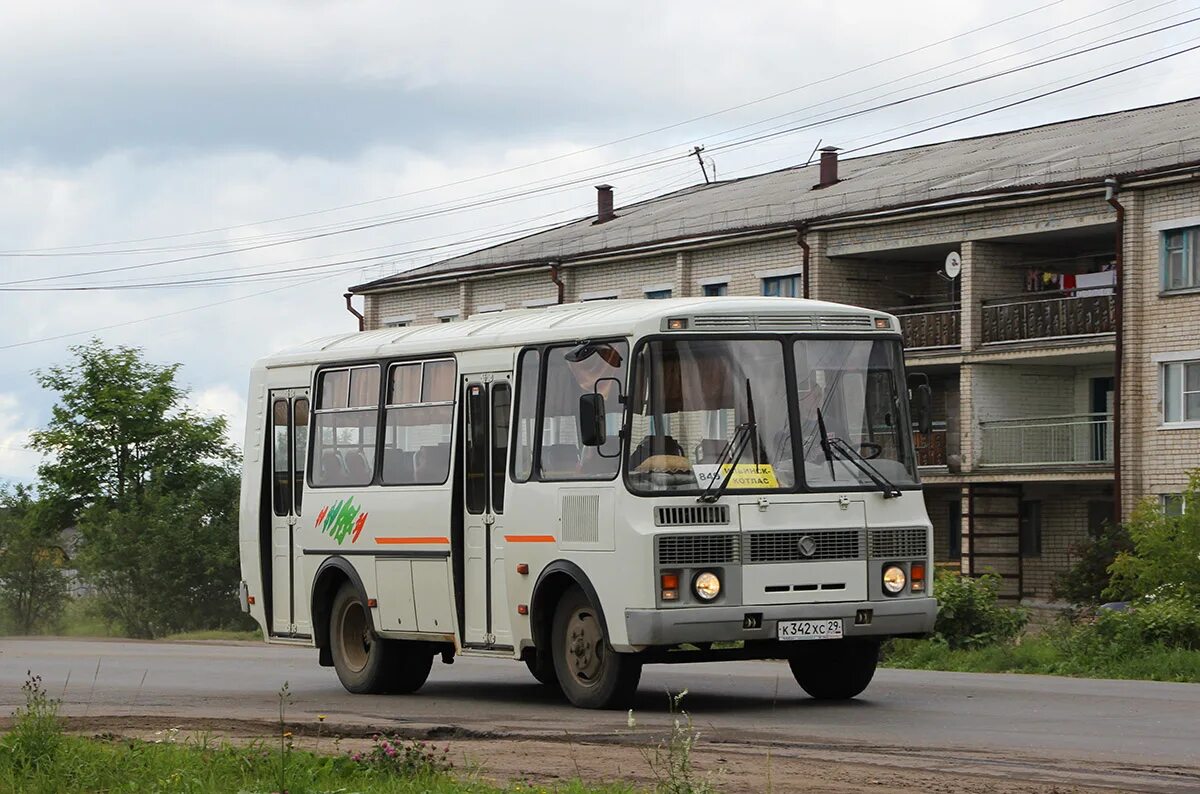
1064	355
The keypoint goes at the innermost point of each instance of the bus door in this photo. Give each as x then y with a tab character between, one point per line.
289	452
488	402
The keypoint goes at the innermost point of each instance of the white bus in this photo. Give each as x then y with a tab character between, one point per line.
589	488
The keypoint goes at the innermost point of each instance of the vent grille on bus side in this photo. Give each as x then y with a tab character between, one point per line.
845	321
829	544
581	518
723	322
698	549
898	542
691	516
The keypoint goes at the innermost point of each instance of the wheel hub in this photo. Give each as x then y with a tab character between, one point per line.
585	647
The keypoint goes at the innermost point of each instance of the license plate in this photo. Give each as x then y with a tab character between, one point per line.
810	629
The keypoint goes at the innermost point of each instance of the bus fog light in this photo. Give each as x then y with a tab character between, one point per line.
707	586
670	586
894	580
917	570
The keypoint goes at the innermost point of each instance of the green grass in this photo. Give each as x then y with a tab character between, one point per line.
1045	656
88	765
81	618
216	634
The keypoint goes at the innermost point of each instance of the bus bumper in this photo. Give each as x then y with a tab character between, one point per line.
908	616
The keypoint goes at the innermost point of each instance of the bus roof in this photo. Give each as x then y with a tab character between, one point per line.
571	321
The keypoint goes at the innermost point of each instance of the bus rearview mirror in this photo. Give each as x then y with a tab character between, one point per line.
591	420
923	408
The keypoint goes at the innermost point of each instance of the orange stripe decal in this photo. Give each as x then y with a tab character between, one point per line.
531	538
396	541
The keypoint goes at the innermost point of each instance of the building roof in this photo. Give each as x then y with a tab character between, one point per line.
1082	150
573	321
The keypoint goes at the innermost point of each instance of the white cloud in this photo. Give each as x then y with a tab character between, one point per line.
17	462
223	400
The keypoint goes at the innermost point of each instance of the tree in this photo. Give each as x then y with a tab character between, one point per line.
153	487
32	583
1085	582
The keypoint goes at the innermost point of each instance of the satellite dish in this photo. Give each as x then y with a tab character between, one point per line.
953	264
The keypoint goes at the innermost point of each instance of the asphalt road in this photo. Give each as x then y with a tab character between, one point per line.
1123	734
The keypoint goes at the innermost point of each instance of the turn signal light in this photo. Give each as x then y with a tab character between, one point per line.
372	603
250	600
677	324
670	586
882	323
523	568
522	609
917	577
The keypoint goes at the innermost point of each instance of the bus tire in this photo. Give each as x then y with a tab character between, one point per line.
541	666
834	669
367	664
592	675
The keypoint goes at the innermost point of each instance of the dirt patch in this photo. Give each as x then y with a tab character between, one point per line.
736	767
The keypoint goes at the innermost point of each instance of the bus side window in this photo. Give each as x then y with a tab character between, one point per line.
528	372
281	483
345	424
417	423
299	447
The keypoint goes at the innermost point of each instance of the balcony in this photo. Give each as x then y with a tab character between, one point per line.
930	325
1054	314
1075	440
931	447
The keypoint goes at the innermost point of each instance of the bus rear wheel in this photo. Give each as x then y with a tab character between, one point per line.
366	663
834	669
592	675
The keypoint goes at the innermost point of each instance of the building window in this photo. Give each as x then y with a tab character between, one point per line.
716	290
1172	504
1181	392
954	521
1031	529
397	324
449	318
781	287
657	294
1181	258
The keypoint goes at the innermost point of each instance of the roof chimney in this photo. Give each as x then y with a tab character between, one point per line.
829	167
604	204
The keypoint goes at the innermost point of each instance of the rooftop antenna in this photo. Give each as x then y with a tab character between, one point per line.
704	170
814	151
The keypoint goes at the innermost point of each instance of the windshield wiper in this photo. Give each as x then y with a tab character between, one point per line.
742	436
889	488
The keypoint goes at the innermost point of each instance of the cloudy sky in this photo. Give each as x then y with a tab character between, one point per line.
216	161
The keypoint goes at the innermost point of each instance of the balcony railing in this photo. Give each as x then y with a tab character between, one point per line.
1047	315
931	447
929	325
1078	439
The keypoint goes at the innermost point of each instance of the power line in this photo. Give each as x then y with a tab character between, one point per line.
555	158
517	195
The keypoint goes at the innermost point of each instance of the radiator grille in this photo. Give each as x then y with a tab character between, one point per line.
691	516
698	549
829	544
898	542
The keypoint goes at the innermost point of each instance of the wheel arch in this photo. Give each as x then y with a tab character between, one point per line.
552	582
329	578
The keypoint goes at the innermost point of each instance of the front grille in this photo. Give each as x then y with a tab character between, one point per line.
829	544
698	549
691	516
898	542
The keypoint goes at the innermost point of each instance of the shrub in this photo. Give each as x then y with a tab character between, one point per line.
1166	550
969	612
1086	581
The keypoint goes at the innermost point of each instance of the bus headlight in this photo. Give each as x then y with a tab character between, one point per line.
707	586
894	580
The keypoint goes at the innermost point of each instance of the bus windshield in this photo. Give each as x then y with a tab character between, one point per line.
852	420
691	397
689	400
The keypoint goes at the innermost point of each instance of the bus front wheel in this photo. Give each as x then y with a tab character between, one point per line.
834	669
592	675
366	663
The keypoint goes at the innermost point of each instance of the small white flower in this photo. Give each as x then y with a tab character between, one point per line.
630	721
